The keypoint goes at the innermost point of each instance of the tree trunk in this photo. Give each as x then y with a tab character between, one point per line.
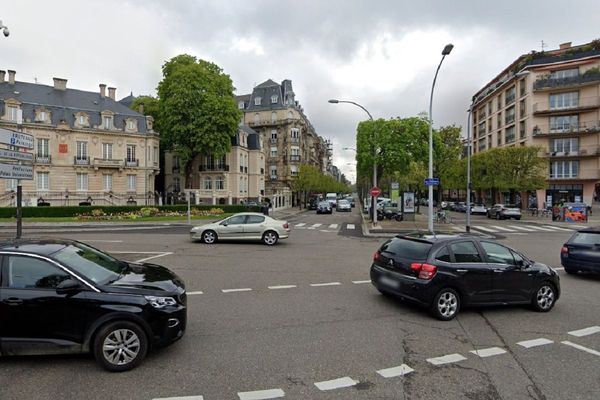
188	175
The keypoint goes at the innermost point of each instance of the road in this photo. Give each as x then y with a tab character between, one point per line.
301	320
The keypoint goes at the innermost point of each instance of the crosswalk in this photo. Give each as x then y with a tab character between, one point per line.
523	229
324	227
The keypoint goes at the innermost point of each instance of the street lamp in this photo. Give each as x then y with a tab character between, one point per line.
4	29
374	198
468	227
445	52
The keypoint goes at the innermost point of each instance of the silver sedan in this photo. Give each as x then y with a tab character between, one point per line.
243	226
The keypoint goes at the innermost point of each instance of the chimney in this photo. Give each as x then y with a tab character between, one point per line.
60	84
11	77
111	92
102	90
564	46
2	74
141	109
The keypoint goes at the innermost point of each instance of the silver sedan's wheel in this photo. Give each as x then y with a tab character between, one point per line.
446	304
270	238
544	298
120	346
209	237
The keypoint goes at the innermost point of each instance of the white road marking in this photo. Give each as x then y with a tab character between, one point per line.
491	351
333	226
336	383
522	228
450	358
236	290
484	228
325	230
301	224
534	342
457	229
156	256
503	228
395	371
350	226
196	292
316	225
104	241
359	282
282	287
326	284
180	398
582	348
261	394
539	228
558	228
136	252
585	332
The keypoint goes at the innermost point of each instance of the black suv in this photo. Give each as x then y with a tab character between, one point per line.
447	272
62	296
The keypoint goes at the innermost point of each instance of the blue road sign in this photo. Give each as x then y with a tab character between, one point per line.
432	181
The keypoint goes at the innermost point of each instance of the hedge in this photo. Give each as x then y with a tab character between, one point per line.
72	211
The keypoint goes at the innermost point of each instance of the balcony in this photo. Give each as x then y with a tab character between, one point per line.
269	122
273	140
584	174
81	160
45	159
548	83
588	151
295	158
214	168
108	163
295	140
583	128
132	162
273	177
585	104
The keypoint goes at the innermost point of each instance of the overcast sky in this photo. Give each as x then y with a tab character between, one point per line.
379	53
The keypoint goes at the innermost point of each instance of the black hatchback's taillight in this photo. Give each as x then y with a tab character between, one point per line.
376	256
564	250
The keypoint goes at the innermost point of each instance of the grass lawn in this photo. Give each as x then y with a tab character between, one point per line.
139	219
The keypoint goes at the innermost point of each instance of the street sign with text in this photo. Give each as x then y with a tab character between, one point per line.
432	181
375	191
16	155
16	171
17	139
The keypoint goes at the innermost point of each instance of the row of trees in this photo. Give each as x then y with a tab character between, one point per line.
311	180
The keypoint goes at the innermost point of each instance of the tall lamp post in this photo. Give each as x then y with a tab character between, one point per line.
445	52
468	227
374	199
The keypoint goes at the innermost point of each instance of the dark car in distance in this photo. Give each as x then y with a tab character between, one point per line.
448	272
324	207
65	297
581	253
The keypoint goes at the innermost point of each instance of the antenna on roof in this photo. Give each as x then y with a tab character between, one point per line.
544	45
35	79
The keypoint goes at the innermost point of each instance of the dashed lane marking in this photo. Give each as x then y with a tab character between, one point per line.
325	284
336	383
448	359
180	398
301	224
236	290
534	342
333	226
261	394
361	282
585	331
491	351
400	370
350	226
582	348
196	292
282	287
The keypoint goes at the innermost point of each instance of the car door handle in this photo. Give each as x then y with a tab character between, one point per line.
462	271
13	301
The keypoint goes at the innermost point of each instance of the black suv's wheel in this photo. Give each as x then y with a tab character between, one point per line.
270	238
446	304
544	297
209	237
120	346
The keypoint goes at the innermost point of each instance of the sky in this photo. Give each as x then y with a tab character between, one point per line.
379	53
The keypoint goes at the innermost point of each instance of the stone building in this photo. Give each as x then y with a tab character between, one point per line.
88	146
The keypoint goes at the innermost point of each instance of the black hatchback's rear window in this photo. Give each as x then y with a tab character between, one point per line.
407	248
586	238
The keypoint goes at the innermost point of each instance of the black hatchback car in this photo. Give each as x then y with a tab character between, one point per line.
448	272
582	252
62	296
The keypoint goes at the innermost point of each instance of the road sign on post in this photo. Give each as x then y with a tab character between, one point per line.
432	181
16	171
375	191
17	139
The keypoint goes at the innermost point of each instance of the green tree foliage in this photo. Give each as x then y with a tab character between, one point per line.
197	109
311	180
151	108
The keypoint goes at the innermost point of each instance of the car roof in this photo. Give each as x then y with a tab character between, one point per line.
591	229
433	239
39	246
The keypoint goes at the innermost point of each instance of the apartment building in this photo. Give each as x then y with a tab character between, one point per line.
549	99
88	146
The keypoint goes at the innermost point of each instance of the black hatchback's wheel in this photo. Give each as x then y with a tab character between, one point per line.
120	346
446	304
209	237
270	238
544	297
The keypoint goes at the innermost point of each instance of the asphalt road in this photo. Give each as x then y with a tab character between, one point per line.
307	323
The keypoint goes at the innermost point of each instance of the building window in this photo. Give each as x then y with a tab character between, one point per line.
155	160
241	105
564	169
509	135
107	182
82	120
43	147
500	102
219	183
499	121
43	181
274	99
176	184
564	100
565	73
295	132
207	183
565	123
522	87
522	131
82	182
499	139
106	122
522	110
12	113
509	115
273	152
273	116
131	124
273	171
274	134
82	153
257	101
570	145
294	170
41	116
107	153
241	185
509	97
11	184
131	183
130	152
490	107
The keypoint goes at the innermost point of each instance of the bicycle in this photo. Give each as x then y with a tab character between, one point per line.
442	217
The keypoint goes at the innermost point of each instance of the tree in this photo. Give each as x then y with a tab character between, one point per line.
197	110
151	107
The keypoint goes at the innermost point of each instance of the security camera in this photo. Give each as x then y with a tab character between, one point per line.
5	31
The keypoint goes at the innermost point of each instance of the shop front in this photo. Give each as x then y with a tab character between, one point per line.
565	193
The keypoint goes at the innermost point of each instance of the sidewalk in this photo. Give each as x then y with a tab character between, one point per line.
390	228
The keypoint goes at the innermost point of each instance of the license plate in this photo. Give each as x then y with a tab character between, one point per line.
384	280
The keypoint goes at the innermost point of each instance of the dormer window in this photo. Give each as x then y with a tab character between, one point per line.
12	113
274	99
41	116
241	105
131	125
257	101
81	120
107	122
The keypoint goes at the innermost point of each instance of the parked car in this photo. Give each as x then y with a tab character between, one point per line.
461	207
582	252
243	226
313	203
331	198
448	272
324	208
444	205
479	209
504	211
62	297
343	205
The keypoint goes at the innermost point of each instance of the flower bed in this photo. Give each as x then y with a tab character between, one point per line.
99	214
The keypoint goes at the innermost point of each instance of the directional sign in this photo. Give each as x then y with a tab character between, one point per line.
375	191
15	171
16	155
14	138
432	181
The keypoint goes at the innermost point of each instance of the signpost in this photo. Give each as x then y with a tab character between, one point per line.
432	181
14	138
375	191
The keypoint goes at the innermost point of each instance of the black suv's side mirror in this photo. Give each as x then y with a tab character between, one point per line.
68	286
